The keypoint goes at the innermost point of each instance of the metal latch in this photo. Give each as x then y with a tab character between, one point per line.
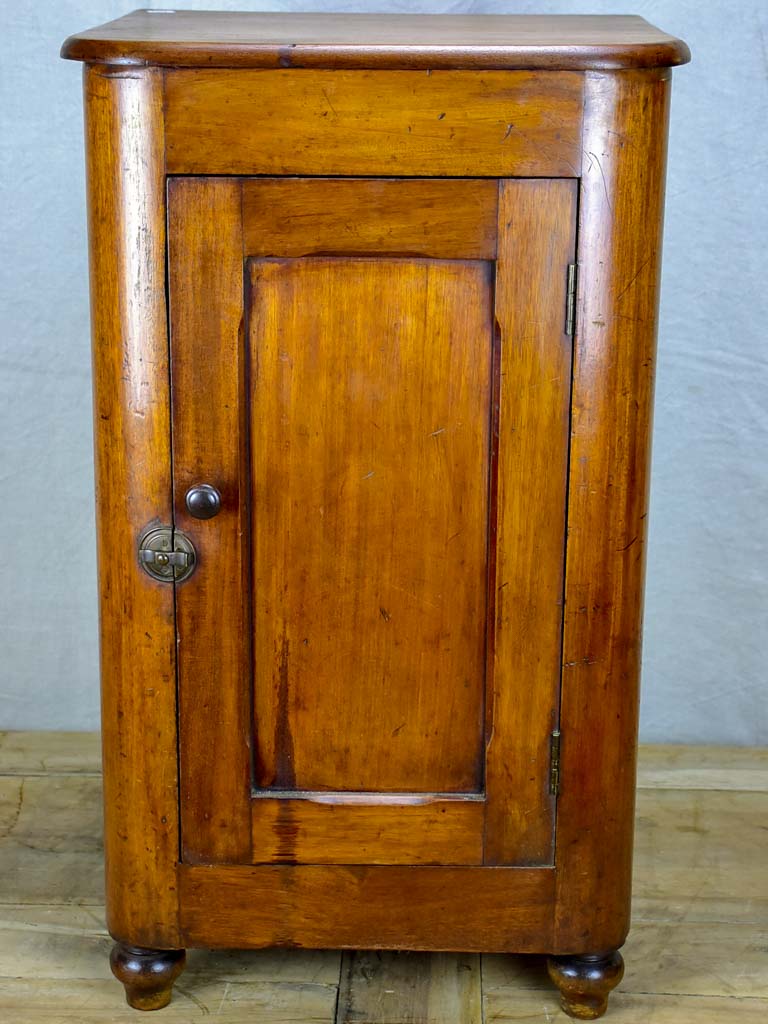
166	554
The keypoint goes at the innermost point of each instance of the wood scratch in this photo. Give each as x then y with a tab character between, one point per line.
328	101
634	277
593	157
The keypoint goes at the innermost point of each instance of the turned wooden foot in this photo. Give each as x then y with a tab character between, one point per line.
585	982
147	974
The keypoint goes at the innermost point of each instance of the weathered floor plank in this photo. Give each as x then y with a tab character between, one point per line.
72	942
409	988
32	1001
700	767
696	952
50	839
688	959
45	753
700	855
541	1007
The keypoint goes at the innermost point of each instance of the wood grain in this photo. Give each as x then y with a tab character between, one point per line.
463	909
699	856
538	217
210	446
703	767
50	840
211	38
410	987
25	752
620	213
317	831
542	1007
700	956
126	218
32	1000
707	958
450	123
369	477
397	460
384	216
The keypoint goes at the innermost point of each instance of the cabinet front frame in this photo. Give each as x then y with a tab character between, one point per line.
216	228
620	162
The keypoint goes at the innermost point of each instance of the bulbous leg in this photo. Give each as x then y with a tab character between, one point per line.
585	982
147	974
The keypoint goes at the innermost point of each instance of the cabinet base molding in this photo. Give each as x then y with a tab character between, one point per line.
585	982
147	974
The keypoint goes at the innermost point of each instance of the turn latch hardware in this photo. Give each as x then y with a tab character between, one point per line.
166	554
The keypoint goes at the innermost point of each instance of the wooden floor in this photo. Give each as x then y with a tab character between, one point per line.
698	952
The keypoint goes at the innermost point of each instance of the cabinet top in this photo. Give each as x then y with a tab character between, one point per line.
426	41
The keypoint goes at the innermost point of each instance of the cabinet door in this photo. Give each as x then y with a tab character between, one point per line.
375	376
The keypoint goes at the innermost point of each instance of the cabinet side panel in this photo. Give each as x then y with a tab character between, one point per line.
125	166
621	200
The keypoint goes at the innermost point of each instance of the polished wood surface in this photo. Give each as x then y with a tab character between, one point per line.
695	953
365	828
539	219
450	123
380	907
209	446
620	212
258	40
440	217
585	982
381	632
126	217
353	537
147	976
369	480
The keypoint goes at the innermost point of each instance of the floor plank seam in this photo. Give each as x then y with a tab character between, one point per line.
691	995
49	775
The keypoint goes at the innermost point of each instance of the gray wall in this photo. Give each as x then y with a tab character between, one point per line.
707	598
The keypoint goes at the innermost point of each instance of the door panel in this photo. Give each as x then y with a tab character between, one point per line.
383	405
369	419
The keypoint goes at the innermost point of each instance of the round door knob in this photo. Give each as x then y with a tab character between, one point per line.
203	501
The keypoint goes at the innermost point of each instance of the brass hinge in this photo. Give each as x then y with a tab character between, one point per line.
570	300
554	763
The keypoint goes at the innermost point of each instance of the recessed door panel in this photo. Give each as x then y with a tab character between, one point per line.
369	413
375	376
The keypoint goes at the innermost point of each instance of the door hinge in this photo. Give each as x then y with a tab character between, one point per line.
570	299
554	763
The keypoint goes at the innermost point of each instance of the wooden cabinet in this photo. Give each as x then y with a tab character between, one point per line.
374	305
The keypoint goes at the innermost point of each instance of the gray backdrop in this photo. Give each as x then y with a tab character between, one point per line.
707	598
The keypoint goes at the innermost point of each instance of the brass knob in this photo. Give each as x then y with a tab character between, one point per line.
203	501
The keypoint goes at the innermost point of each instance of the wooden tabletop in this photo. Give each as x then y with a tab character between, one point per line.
229	39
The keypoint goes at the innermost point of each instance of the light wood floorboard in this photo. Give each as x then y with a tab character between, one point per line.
697	953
